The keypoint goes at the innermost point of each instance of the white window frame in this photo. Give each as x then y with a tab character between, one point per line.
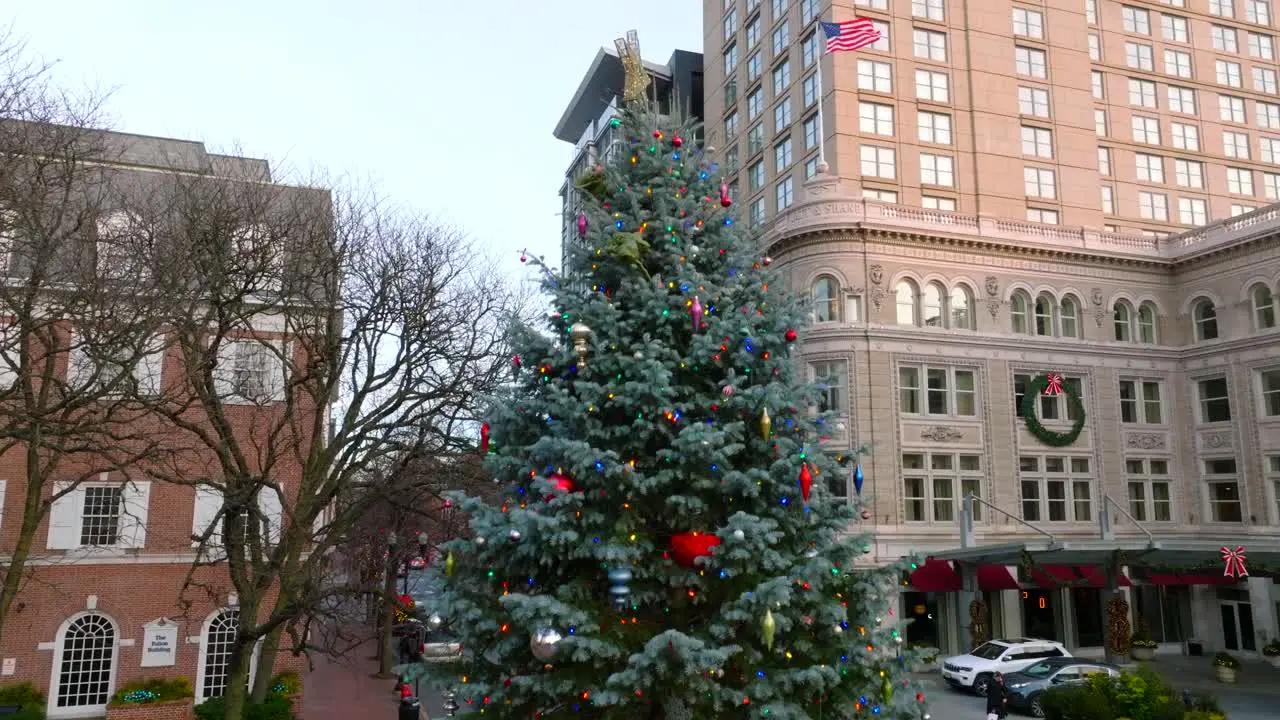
937	170
933	86
929	45
1040	182
835	395
961	481
876	119
880	160
232	352
1147	396
922	392
1266	396
1028	23
1204	396
1030	62
1209	479
1037	142
53	711
1071	480
1148	477
933	127
1034	101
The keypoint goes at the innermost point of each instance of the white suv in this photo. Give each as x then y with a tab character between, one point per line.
975	670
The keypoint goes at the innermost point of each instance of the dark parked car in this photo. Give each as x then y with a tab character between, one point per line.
438	639
1027	686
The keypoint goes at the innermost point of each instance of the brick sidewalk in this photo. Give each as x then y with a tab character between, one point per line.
344	688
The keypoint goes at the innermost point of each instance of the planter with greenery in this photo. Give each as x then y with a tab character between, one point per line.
275	707
30	701
1272	652
152	699
1141	646
1225	666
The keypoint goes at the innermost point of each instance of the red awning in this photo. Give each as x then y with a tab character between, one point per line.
996	577
1205	579
1052	576
935	576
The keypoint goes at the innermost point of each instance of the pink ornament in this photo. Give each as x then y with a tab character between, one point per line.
582	225
695	312
728	391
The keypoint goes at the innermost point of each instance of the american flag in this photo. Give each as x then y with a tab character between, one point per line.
850	35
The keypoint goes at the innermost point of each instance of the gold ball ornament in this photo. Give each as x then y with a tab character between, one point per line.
580	334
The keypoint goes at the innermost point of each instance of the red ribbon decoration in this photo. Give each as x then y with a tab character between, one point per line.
1234	560
1053	384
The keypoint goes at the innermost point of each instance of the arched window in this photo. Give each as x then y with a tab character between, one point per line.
1044	314
1147	324
961	308
1206	320
1069	317
826	299
215	653
1264	307
1019	313
1123	322
931	305
906	293
86	660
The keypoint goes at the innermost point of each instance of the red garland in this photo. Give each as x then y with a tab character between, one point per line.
687	547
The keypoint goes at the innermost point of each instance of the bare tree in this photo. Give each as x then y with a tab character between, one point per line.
320	335
77	338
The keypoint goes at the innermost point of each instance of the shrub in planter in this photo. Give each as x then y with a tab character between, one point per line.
153	690
286	683
1226	660
31	700
275	707
1272	652
1076	702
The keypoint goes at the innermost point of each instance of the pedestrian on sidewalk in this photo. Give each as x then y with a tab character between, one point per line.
997	698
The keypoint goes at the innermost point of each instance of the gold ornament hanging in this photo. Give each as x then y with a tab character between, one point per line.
766	425
767	628
449	564
579	333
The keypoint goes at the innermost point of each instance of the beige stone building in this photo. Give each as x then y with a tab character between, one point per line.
1022	188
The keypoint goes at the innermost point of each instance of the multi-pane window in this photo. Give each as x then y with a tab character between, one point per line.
730	23
808	11
876	76
782	115
1108	199
1193	211
1271	185
934	127
1224	39
753	32
1037	141
1188	173
1205	320
1264	318
937	170
1240	181
945	391
932	202
1273	478
1227	73
1135	20
1052	407
781	77
1238	209
881	27
1182	100
808	50
831	379
1139	56
1175	28
1257	12
1142	93
1150	489
1104	161
1055	488
1033	101
755	139
933	86
755	104
929	45
755	213
885	196
782	156
810	132
1095	48
1030	62
1222	8
1149	168
1146	130
1041	215
1097	84
731	125
928	9
1223	485
935	484
875	118
1091	11
100	519
1214	400
1040	182
1235	144
755	175
730	56
1269	385
1184	136
1262	46
1153	206
873	4
1028	23
781	39
1177	62
1140	402
810	85
1231	109
878	162
755	66
784	193
1264	80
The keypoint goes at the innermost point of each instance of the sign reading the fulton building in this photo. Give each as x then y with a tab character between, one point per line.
159	643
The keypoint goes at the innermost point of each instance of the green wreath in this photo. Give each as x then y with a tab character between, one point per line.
1049	437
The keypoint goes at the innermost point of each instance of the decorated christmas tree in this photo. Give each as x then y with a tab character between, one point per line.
668	546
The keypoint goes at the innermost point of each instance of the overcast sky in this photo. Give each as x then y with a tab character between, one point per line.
444	106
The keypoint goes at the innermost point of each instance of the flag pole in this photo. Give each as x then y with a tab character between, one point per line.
822	144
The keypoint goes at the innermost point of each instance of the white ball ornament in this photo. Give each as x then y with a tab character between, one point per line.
638	355
543	643
739	535
515	536
480	541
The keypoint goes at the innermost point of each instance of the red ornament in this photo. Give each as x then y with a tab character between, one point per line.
791	335
561	482
405	693
657	134
687	547
806	481
484	437
725	200
1053	384
1234	560
676	140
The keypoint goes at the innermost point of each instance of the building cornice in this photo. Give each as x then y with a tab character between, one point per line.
829	212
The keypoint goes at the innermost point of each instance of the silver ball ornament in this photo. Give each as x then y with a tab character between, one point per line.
838	630
434	622
638	355
480	541
739	535
879	620
897	639
543	643
694	249
514	535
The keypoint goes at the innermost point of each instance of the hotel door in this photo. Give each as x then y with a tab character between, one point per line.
1237	626
1037	615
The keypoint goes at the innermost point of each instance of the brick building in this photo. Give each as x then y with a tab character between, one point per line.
112	590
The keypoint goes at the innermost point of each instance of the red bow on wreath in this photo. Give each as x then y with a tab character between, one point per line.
1052	384
1234	560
